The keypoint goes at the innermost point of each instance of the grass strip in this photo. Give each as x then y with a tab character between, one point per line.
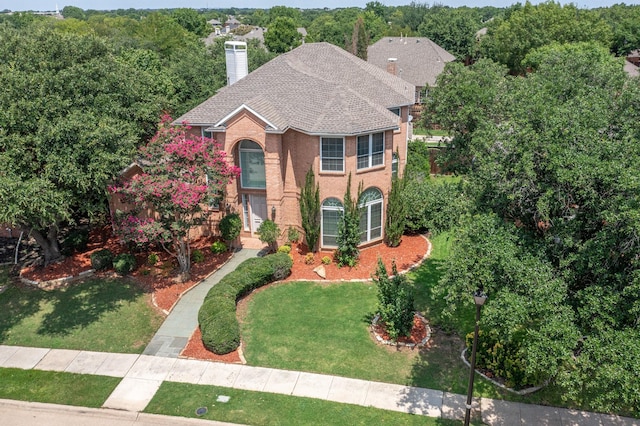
259	408
56	387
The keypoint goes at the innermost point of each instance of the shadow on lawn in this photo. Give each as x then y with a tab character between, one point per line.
83	304
17	304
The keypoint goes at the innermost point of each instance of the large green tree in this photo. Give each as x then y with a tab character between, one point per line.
282	35
453	29
71	115
555	154
509	40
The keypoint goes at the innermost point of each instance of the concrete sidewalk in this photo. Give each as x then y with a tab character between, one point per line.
142	375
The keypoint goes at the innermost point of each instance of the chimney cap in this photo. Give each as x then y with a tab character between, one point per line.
392	60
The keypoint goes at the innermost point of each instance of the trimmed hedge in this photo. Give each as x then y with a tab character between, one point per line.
217	315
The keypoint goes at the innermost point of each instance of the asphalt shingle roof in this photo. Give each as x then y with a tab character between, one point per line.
317	88
419	60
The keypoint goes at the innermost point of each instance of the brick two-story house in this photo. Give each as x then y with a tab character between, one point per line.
316	107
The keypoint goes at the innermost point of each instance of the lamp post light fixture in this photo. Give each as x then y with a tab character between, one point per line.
273	213
479	298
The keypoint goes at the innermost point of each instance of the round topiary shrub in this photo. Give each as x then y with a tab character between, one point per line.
101	259
124	263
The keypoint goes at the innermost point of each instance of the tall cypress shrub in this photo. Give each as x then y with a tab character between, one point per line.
349	230
310	210
396	213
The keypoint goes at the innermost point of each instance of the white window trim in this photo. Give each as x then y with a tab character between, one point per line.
370	152
322	158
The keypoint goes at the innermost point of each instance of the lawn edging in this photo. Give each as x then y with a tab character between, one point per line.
58	282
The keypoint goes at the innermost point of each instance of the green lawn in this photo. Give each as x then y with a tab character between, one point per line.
56	387
258	408
109	315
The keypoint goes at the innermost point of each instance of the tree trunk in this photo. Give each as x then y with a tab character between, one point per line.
183	253
48	243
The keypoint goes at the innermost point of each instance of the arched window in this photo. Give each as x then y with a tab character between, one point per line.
252	165
331	213
370	215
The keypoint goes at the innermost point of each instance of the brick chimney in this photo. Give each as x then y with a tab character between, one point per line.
392	66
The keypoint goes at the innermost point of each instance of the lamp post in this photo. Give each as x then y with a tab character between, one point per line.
479	298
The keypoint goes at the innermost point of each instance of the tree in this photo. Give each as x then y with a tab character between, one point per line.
509	41
395	301
452	29
191	20
181	175
282	35
520	340
553	155
348	238
71	116
359	40
310	210
462	100
396	213
73	12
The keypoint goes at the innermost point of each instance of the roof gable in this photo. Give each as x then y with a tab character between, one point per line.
316	88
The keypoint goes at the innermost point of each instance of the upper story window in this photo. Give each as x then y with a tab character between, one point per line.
394	165
396	111
331	154
253	174
206	134
370	150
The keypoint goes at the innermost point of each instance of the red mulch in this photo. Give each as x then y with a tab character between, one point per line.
410	252
418	332
159	279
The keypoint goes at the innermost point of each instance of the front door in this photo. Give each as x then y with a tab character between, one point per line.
257	212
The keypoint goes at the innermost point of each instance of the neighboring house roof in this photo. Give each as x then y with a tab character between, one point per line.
214	22
255	33
631	70
419	60
317	88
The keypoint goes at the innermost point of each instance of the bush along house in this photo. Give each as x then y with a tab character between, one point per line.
316	107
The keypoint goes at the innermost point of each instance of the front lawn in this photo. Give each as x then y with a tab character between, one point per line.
106	315
258	408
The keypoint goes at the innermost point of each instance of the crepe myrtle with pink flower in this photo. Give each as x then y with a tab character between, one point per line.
182	174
